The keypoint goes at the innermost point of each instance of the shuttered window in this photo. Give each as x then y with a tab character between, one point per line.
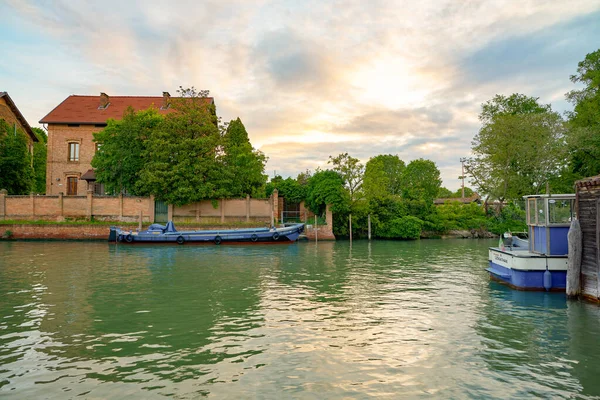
73	151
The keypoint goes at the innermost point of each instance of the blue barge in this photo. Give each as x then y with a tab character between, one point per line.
539	263
168	234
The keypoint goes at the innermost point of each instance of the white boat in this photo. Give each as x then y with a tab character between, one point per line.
539	263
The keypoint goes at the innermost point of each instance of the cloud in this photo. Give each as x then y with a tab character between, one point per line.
308	79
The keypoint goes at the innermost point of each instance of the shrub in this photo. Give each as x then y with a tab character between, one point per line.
402	228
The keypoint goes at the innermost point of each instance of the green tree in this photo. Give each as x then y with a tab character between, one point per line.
40	152
421	180
515	104
244	166
383	176
121	146
16	173
327	187
351	171
517	154
519	148
288	188
584	121
181	154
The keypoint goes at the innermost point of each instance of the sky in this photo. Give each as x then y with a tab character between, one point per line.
309	79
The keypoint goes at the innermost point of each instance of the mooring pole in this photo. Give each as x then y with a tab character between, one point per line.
369	222
350	222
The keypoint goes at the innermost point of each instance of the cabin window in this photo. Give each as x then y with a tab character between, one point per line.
540	211
560	211
73	151
531	217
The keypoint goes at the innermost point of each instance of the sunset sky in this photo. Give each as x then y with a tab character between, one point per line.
308	79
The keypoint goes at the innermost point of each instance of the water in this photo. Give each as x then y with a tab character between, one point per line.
308	321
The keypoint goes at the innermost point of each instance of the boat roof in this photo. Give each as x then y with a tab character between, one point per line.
560	196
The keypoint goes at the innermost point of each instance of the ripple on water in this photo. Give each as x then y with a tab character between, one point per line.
381	319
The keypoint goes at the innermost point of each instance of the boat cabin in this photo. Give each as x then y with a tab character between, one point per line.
548	220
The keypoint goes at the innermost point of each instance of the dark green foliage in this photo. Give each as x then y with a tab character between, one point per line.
181	154
121	154
458	216
327	187
243	165
16	173
383	176
584	121
289	189
421	180
40	152
407	227
511	218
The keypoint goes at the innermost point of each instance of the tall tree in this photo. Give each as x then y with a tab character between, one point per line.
16	173
584	121
181	154
421	180
244	165
40	153
351	171
518	149
383	176
121	146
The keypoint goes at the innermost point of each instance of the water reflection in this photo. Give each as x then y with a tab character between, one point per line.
387	319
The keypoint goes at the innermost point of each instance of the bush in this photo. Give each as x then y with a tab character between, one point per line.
402	228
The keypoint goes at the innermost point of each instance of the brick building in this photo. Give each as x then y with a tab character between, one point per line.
71	126
11	114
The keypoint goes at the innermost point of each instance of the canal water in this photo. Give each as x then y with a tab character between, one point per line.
304	321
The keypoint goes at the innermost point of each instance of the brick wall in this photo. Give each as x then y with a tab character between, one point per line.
58	166
122	208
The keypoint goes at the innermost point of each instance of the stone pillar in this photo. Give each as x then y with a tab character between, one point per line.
275	199
32	197
197	211
170	212
61	212
247	208
222	205
90	199
3	194
151	209
120	206
329	217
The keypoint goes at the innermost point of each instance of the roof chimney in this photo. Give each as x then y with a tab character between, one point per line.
166	100
104	101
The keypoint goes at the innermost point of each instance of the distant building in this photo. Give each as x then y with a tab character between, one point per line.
71	128
474	198
11	114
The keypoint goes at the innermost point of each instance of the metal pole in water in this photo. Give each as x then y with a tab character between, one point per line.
369	222
350	223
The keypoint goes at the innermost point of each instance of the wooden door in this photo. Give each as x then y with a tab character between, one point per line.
71	186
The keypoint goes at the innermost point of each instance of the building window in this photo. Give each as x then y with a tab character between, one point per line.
73	151
71	186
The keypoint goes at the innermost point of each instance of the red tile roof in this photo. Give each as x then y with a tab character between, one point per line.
77	109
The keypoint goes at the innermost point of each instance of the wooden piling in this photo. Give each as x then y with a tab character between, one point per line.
574	260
